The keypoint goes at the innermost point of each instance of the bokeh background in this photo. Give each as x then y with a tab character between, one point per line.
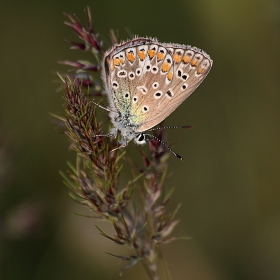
229	182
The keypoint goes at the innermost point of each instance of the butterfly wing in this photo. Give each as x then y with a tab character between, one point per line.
179	70
149	80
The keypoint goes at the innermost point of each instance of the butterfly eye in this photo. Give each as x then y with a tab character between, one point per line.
140	139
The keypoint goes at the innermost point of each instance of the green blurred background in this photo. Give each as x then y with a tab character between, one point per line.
229	182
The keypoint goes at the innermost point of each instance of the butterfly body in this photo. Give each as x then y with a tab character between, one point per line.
146	81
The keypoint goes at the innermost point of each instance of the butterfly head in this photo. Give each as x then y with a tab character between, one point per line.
128	130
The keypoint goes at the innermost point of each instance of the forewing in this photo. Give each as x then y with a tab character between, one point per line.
176	80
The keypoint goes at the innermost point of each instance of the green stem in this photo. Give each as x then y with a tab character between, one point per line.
148	270
164	265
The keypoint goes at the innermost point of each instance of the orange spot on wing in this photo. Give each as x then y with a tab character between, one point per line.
142	55
160	56
194	62
200	71
177	58
112	65
186	59
121	60
116	61
151	53
165	67
169	76
130	56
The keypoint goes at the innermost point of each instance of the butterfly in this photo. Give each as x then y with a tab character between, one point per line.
146	81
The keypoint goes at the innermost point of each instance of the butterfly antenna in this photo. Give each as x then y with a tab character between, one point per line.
102	107
163	143
166	127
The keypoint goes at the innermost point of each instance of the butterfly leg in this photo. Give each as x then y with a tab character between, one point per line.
118	148
123	143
